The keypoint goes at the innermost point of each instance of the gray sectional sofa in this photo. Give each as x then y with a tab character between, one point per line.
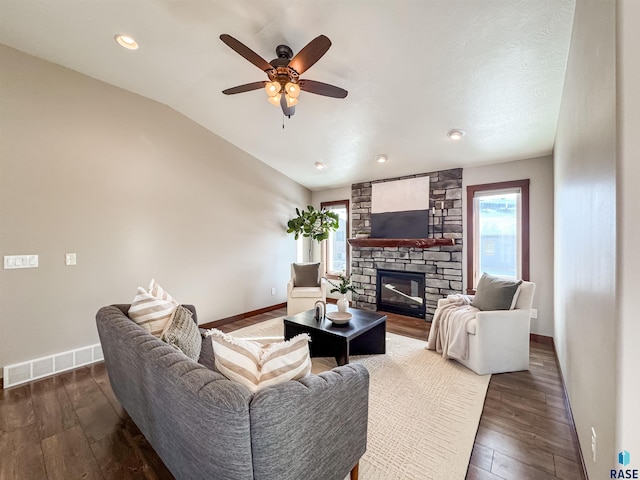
204	426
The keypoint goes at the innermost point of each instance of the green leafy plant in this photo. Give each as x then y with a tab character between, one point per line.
344	286
314	224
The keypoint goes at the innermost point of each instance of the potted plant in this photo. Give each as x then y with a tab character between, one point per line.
343	287
314	224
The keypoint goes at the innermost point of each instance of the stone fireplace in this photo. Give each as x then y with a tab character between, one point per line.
438	258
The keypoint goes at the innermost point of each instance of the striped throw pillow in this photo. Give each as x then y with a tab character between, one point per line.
157	291
258	366
151	312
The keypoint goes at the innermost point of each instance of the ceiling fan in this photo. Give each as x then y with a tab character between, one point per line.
284	72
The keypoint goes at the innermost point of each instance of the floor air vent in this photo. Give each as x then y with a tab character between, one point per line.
41	367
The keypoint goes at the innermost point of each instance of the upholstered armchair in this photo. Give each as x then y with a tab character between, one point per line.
305	288
499	339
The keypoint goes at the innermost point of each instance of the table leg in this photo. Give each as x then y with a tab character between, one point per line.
342	357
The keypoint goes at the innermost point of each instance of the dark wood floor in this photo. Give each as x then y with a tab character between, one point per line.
70	426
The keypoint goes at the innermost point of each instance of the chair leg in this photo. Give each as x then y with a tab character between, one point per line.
354	472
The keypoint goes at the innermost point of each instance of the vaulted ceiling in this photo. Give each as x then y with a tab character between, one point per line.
414	69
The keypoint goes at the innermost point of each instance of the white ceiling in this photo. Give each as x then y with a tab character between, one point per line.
414	70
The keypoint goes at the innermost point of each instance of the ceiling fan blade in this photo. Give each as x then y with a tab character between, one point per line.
244	88
320	88
310	54
246	52
288	111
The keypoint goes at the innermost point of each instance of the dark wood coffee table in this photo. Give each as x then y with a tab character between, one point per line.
363	335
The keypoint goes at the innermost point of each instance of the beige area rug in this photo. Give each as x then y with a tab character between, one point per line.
423	410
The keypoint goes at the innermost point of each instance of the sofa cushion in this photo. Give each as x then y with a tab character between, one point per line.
306	292
471	326
306	275
495	293
258	366
182	333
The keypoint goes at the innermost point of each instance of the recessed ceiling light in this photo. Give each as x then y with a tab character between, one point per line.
126	41
381	158
319	165
456	134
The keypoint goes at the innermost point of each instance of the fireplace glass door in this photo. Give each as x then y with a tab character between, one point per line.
401	292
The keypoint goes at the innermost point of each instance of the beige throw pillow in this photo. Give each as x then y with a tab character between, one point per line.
258	366
150	311
160	293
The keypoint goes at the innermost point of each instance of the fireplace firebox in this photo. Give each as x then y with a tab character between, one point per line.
400	292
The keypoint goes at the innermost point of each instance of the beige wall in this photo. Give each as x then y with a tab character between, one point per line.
628	74
137	191
540	173
585	231
331	195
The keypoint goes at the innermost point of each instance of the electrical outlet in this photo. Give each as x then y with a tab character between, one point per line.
534	313
273	291
594	439
70	259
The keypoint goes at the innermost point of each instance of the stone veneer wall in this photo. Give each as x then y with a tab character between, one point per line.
442	266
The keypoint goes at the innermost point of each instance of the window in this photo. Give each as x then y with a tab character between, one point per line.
497	231
336	250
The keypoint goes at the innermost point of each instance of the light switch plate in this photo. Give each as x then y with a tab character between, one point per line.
20	261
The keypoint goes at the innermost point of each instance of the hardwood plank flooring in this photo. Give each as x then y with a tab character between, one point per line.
71	425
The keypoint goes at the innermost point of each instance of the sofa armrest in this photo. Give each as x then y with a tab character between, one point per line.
501	342
323	286
312	429
504	329
444	301
178	404
499	320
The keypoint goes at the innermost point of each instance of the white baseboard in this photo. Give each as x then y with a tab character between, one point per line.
23	372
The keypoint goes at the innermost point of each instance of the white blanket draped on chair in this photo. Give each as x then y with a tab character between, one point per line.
448	334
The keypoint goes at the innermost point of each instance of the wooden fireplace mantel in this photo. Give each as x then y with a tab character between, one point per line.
401	242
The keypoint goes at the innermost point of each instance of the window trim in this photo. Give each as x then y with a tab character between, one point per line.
333	203
523	185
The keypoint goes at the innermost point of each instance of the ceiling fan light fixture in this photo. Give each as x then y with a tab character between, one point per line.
272	88
292	89
126	41
456	134
283	72
275	100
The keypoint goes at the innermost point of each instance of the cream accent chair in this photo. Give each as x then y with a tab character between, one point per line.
303	298
499	339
